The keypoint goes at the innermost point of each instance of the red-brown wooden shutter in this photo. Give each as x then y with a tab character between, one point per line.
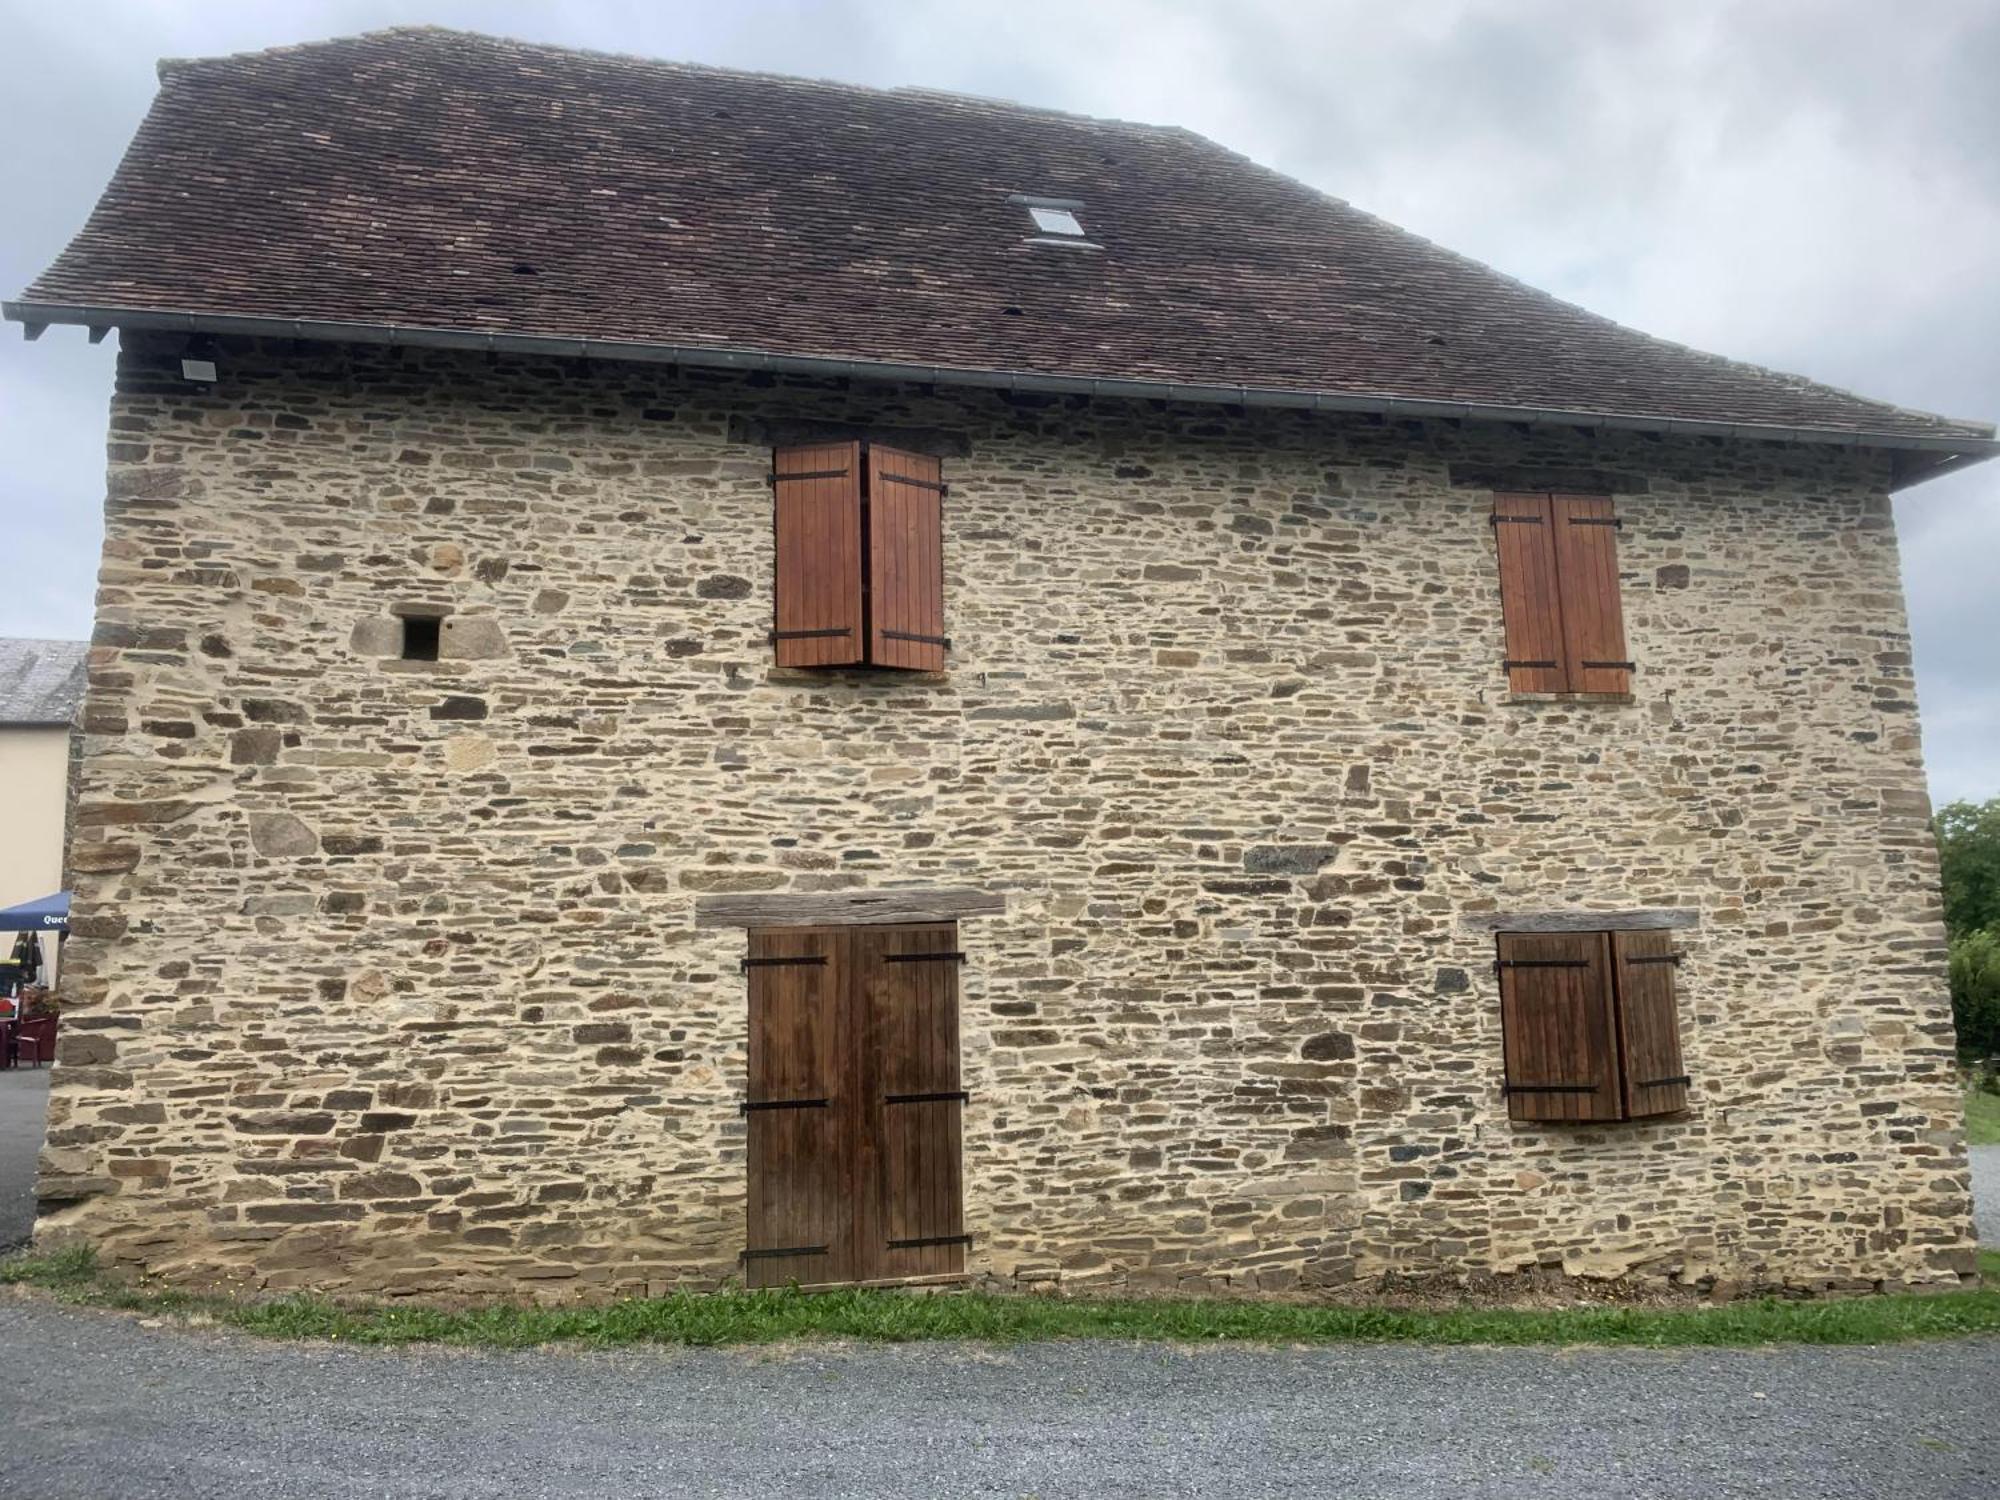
1530	598
909	978
905	560
816	611
1649	1029
1593	616
800	1207
1559	1033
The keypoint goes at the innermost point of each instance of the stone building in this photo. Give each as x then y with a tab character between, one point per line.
702	675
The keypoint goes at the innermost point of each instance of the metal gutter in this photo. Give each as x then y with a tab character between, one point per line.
36	316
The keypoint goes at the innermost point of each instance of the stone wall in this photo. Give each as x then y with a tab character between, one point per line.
386	976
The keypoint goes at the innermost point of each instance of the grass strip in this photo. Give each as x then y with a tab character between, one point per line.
1982	1117
708	1319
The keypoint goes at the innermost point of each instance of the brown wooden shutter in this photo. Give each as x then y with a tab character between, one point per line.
1649	1029
910	980
817	619
1559	1034
800	1207
905	560
1593	615
1530	599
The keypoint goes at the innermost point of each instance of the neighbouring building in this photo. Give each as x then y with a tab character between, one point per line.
41	691
706	675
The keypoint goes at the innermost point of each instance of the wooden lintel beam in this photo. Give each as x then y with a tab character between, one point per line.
833	908
1652	919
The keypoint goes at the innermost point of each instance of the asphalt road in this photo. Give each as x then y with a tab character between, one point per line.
99	1406
24	1102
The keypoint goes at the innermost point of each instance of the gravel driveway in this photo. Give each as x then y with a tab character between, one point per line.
111	1408
1986	1195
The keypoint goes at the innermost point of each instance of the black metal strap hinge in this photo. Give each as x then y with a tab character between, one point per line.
1548	1088
959	1095
804	961
1614	666
922	484
786	1250
1510	664
1657	958
1660	1083
923	958
1496	519
749	1105
935	1239
775	480
801	635
1542	963
1617	523
909	635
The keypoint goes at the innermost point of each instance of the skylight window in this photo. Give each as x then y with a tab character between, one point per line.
1056	221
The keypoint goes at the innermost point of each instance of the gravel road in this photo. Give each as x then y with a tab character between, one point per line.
101	1406
1986	1195
24	1103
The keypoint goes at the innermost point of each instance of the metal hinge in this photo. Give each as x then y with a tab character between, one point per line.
1657	958
935	1239
923	958
755	1104
1509	664
1615	522
922	484
1548	1088
1541	963
809	960
906	635
1660	1083
960	1095
1614	666
774	480
800	635
788	1250
1495	520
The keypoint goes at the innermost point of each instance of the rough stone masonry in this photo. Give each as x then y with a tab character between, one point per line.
386	976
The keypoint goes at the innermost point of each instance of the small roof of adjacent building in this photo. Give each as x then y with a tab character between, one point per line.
41	682
413	183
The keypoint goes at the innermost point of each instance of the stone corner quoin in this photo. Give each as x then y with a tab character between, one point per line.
387	975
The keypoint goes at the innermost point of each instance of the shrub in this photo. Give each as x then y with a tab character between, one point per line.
1975	992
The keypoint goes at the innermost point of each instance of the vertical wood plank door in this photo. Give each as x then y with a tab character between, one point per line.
1558	1030
800	1221
1649	1030
1530	595
910	979
868	1187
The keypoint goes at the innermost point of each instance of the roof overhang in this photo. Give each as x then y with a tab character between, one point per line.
1919	456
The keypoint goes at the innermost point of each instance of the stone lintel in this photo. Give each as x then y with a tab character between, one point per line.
1645	919
839	908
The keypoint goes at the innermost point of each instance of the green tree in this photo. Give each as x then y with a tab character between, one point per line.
1968	836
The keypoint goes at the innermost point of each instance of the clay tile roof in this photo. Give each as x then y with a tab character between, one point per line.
41	682
439	180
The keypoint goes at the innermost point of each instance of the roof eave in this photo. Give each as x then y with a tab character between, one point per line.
1954	452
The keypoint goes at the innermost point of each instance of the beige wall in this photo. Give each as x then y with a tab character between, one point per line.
386	975
34	775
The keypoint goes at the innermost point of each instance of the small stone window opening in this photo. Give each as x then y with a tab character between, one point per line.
421	634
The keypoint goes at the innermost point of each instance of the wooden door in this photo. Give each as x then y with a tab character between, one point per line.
855	1106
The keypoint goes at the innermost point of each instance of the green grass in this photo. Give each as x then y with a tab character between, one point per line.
718	1318
1982	1117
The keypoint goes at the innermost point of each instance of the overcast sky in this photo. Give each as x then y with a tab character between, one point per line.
1810	185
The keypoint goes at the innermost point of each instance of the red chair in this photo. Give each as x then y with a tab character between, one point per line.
36	1038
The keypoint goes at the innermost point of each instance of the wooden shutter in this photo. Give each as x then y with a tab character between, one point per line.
910	984
905	560
1649	1027
817	619
1593	616
800	1208
854	1105
1530	598
1559	1033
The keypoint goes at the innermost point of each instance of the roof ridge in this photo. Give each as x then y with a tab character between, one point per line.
496	40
